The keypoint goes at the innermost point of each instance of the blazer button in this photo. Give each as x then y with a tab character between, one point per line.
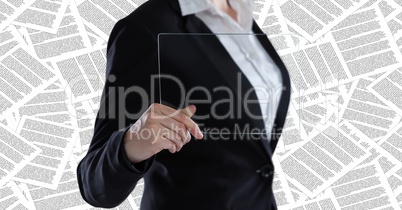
265	171
267	175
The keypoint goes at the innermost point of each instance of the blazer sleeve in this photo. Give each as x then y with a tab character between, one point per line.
105	175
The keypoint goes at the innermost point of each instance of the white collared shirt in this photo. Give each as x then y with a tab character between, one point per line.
246	50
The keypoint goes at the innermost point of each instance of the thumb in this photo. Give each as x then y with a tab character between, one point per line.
189	110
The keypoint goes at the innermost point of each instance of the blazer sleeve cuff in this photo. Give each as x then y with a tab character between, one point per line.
137	168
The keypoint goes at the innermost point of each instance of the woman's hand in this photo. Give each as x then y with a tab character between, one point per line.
160	127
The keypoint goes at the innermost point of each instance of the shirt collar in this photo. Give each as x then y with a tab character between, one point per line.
188	7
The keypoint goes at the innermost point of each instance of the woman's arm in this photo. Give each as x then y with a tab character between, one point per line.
105	175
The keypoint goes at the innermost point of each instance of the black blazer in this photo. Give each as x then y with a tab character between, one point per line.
205	174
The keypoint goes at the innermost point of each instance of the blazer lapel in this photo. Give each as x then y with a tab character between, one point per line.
285	97
210	45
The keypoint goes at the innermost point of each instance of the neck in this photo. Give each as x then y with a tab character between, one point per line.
222	4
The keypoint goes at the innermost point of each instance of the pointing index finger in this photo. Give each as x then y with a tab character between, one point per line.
194	129
184	116
189	110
